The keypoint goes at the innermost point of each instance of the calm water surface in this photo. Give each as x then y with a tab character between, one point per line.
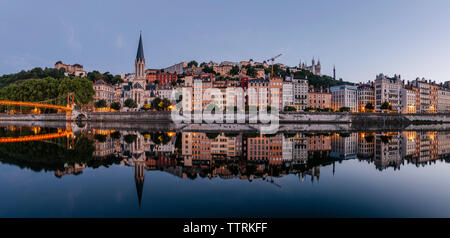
56	172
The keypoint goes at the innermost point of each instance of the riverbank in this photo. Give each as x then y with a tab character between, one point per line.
306	122
357	119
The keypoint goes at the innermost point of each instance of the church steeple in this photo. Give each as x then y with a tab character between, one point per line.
140	61
140	51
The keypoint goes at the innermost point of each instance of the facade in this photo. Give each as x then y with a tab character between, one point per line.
300	93
410	99
388	90
176	68
276	92
104	91
443	105
366	94
258	93
344	96
427	95
288	94
164	79
75	69
222	69
319	99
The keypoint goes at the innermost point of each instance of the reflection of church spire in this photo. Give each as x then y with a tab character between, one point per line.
139	177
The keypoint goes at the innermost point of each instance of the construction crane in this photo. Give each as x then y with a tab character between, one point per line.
273	59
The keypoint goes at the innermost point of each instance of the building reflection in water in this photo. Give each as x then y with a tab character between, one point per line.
247	156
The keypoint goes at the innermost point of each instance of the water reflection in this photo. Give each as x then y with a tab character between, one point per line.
189	155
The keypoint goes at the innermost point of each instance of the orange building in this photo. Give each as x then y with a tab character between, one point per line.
265	149
318	98
163	78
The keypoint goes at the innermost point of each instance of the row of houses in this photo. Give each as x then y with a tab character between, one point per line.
393	94
384	94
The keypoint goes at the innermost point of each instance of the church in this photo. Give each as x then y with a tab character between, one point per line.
315	69
139	90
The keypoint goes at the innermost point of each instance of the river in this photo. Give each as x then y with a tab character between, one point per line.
55	170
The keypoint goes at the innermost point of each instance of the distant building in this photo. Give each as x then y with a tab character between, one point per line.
104	91
300	93
319	98
428	95
444	101
176	68
76	69
164	79
344	96
366	94
388	90
410	99
288	94
315	69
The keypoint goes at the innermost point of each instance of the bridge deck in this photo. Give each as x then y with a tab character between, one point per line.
35	104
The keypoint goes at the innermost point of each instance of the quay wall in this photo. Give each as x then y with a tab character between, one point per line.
292	117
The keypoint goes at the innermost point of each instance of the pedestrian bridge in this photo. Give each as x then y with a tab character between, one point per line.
66	109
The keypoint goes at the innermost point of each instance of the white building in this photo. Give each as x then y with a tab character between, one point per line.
300	87
344	96
409	100
388	90
288	94
443	100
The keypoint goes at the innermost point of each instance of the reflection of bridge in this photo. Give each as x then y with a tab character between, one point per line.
66	133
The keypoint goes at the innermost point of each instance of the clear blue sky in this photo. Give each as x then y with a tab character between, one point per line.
363	38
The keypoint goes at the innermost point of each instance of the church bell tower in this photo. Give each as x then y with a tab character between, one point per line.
140	62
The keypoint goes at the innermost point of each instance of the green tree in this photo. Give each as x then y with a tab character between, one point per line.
386	106
251	72
344	109
369	106
130	103
234	70
155	104
35	90
100	104
193	63
290	109
115	106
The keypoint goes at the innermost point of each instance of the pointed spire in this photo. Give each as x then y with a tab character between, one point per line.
140	51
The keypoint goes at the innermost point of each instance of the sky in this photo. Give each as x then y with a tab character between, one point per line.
362	38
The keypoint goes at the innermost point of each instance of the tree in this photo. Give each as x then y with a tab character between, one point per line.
290	109
130	103
165	103
318	81
115	106
369	106
193	63
100	104
35	90
386	106
251	71
208	70
235	70
344	109
155	103
146	107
